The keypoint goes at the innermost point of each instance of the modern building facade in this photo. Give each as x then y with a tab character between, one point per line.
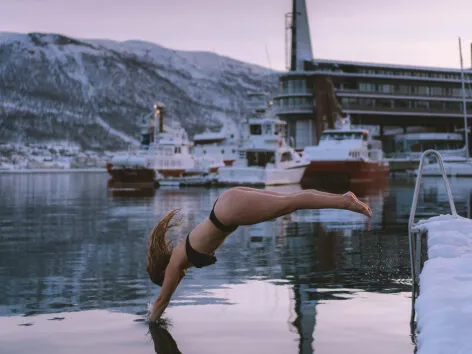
314	91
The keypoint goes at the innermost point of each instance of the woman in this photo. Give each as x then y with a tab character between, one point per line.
237	206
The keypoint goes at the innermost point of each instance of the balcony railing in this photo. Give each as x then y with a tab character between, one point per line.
304	108
402	94
294	92
402	109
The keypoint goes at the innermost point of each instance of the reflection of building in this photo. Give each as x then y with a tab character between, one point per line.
313	91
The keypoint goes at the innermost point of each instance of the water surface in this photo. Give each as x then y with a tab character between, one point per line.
72	269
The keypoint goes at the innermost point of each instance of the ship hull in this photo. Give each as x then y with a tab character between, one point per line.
351	171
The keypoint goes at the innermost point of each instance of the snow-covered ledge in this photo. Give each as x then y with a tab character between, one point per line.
444	304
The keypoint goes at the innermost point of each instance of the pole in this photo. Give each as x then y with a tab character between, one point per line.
464	103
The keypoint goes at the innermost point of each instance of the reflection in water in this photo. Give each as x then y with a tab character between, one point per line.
164	343
68	244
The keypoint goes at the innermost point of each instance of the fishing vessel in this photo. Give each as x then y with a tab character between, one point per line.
265	157
164	152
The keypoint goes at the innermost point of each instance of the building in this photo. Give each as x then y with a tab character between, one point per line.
314	91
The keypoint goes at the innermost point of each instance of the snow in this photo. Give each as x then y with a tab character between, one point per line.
115	132
65	83
444	306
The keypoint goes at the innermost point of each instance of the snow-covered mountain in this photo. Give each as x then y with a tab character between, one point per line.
92	92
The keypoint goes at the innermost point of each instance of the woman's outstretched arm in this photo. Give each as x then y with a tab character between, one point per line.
173	275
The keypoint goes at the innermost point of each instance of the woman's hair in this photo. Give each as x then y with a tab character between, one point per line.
159	248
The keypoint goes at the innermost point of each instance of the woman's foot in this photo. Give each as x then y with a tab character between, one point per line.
354	204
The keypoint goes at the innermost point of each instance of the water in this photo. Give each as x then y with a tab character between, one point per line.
72	269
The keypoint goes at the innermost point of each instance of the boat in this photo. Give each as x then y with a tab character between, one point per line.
412	145
346	154
265	158
164	152
461	164
220	146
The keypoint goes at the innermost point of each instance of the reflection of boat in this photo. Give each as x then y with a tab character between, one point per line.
346	154
130	190
265	157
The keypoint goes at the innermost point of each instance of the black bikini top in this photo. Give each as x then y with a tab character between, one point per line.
198	259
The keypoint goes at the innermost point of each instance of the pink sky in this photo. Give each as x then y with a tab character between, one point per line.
420	32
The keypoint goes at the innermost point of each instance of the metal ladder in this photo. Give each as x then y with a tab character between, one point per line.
414	234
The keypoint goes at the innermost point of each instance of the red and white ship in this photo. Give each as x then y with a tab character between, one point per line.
348	154
164	152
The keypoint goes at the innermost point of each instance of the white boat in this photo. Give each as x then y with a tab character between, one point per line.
221	146
265	158
164	152
412	145
346	153
458	168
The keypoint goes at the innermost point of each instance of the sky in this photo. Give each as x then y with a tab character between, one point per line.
414	32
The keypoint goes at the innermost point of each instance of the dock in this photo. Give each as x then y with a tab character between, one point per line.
441	264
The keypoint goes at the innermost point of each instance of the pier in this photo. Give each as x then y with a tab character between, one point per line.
441	270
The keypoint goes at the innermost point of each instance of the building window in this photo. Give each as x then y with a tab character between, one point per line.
421	105
401	104
436	91
453	106
436	105
366	102
423	90
385	88
380	103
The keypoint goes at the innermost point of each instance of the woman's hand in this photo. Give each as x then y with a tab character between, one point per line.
173	275
157	310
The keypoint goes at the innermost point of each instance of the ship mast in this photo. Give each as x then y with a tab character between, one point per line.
464	103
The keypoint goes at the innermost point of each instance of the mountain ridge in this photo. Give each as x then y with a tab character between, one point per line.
92	92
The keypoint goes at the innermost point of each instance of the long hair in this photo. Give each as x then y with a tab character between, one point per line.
159	248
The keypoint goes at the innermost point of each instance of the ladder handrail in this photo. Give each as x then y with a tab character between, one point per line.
411	223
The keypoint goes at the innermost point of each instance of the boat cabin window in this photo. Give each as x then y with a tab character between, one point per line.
279	129
423	145
168	151
268	129
145	139
255	129
177	150
286	156
260	158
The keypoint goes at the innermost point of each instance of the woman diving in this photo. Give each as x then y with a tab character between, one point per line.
235	207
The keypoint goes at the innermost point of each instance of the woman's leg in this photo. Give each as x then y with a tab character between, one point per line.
314	191
243	207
